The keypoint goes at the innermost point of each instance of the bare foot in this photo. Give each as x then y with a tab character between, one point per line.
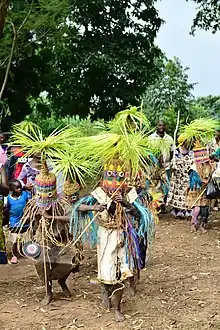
47	300
131	291
203	230
106	301
67	292
119	317
193	229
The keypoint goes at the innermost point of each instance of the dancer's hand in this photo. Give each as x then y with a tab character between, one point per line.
29	187
99	208
118	198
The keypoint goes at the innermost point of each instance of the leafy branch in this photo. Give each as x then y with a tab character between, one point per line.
15	34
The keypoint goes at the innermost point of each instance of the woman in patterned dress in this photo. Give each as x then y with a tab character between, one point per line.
177	197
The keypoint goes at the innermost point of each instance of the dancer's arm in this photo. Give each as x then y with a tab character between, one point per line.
4	185
62	218
87	208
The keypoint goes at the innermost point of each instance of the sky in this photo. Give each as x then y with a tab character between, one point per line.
199	52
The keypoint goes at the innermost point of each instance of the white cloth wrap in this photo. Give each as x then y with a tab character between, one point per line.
110	254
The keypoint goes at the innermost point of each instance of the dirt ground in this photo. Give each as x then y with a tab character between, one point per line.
179	289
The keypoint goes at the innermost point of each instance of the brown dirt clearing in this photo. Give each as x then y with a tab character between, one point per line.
178	290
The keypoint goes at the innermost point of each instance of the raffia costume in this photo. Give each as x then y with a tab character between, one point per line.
201	166
119	227
49	241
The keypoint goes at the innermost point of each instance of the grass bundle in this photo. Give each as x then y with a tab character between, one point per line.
130	148
32	140
128	120
200	131
73	166
158	146
27	127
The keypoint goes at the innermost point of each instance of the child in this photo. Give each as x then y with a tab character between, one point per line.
16	202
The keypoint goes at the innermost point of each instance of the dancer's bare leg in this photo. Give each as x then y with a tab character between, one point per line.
119	317
106	293
49	295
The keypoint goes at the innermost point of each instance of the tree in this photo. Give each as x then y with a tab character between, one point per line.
206	106
168	94
90	56
3	11
109	62
23	73
208	15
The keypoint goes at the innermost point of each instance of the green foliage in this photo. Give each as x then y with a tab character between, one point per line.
3	12
206	106
34	23
200	130
60	147
131	119
84	126
109	62
208	15
97	55
170	92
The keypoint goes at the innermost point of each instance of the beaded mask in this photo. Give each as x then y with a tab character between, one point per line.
71	191
46	192
115	176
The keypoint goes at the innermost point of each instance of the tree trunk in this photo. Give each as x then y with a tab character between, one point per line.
3	11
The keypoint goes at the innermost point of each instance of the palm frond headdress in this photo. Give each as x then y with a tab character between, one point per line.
199	132
56	148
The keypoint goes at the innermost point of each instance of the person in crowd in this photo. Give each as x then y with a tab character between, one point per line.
3	149
161	136
179	181
15	161
215	154
16	202
215	143
3	192
32	168
199	176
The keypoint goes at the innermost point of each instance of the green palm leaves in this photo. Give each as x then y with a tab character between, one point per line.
200	129
78	156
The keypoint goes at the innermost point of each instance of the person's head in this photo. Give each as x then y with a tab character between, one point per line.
217	135
161	128
15	187
2	138
182	142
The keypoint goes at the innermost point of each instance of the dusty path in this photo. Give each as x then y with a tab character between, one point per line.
180	289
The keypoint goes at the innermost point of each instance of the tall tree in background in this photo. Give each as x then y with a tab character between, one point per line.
23	73
208	15
3	11
106	58
208	106
88	55
170	92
